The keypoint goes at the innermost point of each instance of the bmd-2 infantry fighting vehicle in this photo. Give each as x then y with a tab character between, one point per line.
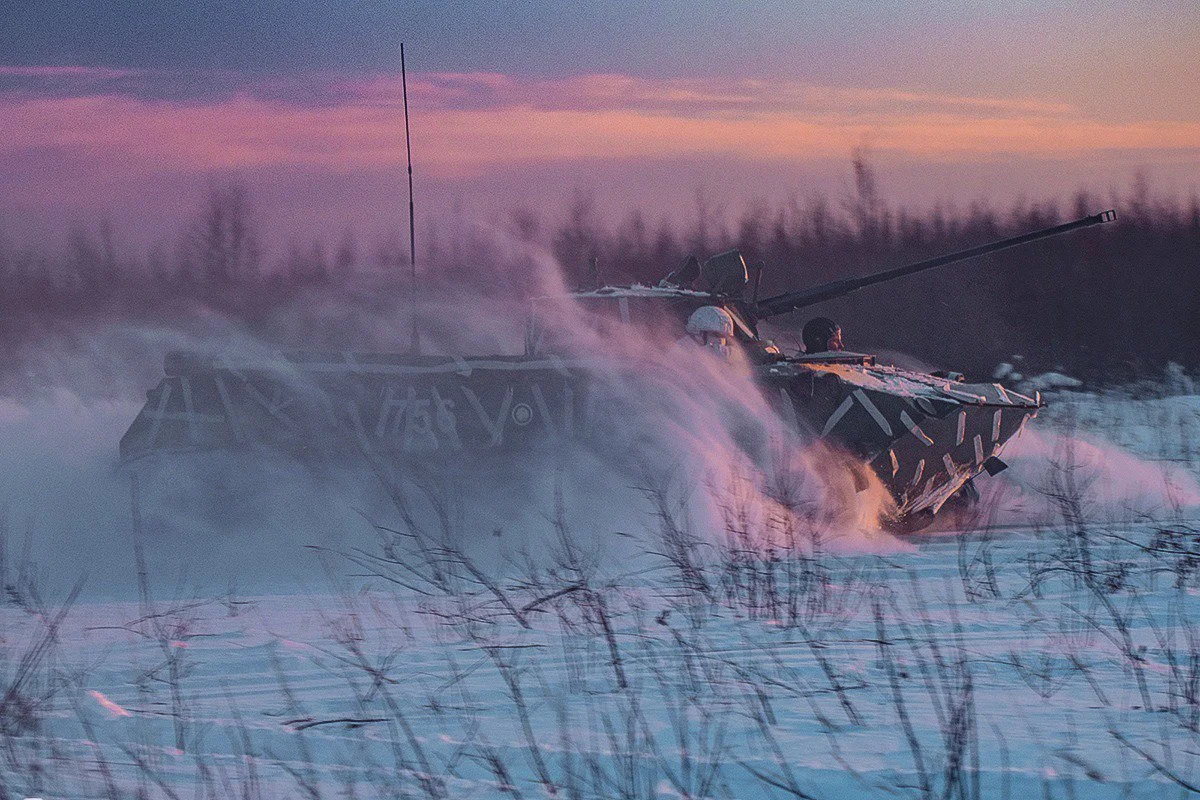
925	436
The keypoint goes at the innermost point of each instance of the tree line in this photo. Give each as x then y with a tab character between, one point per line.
1107	304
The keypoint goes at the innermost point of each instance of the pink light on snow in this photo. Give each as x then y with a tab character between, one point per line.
109	705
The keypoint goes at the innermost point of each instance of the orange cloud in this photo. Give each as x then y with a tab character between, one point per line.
465	124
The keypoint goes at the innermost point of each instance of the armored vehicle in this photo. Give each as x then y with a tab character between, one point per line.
924	436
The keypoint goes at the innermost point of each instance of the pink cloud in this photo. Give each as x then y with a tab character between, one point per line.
466	124
684	95
82	155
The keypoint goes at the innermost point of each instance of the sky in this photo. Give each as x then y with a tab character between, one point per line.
127	111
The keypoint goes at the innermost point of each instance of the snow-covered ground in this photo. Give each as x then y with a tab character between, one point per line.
1048	648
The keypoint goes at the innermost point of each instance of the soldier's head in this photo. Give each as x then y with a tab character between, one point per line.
711	327
821	335
709	323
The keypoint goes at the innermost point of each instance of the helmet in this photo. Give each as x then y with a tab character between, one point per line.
816	334
710	320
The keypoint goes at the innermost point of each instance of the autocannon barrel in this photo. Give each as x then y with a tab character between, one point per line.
791	301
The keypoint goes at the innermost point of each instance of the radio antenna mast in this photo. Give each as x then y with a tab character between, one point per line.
412	219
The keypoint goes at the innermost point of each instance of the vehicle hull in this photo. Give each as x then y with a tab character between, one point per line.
923	436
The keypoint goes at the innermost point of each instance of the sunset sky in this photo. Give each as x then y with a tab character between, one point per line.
127	110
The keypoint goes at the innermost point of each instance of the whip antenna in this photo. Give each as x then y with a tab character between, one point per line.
412	219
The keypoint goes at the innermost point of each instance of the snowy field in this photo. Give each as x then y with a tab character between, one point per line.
1046	647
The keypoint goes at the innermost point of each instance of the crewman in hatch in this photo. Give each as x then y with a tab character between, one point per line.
822	335
711	327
